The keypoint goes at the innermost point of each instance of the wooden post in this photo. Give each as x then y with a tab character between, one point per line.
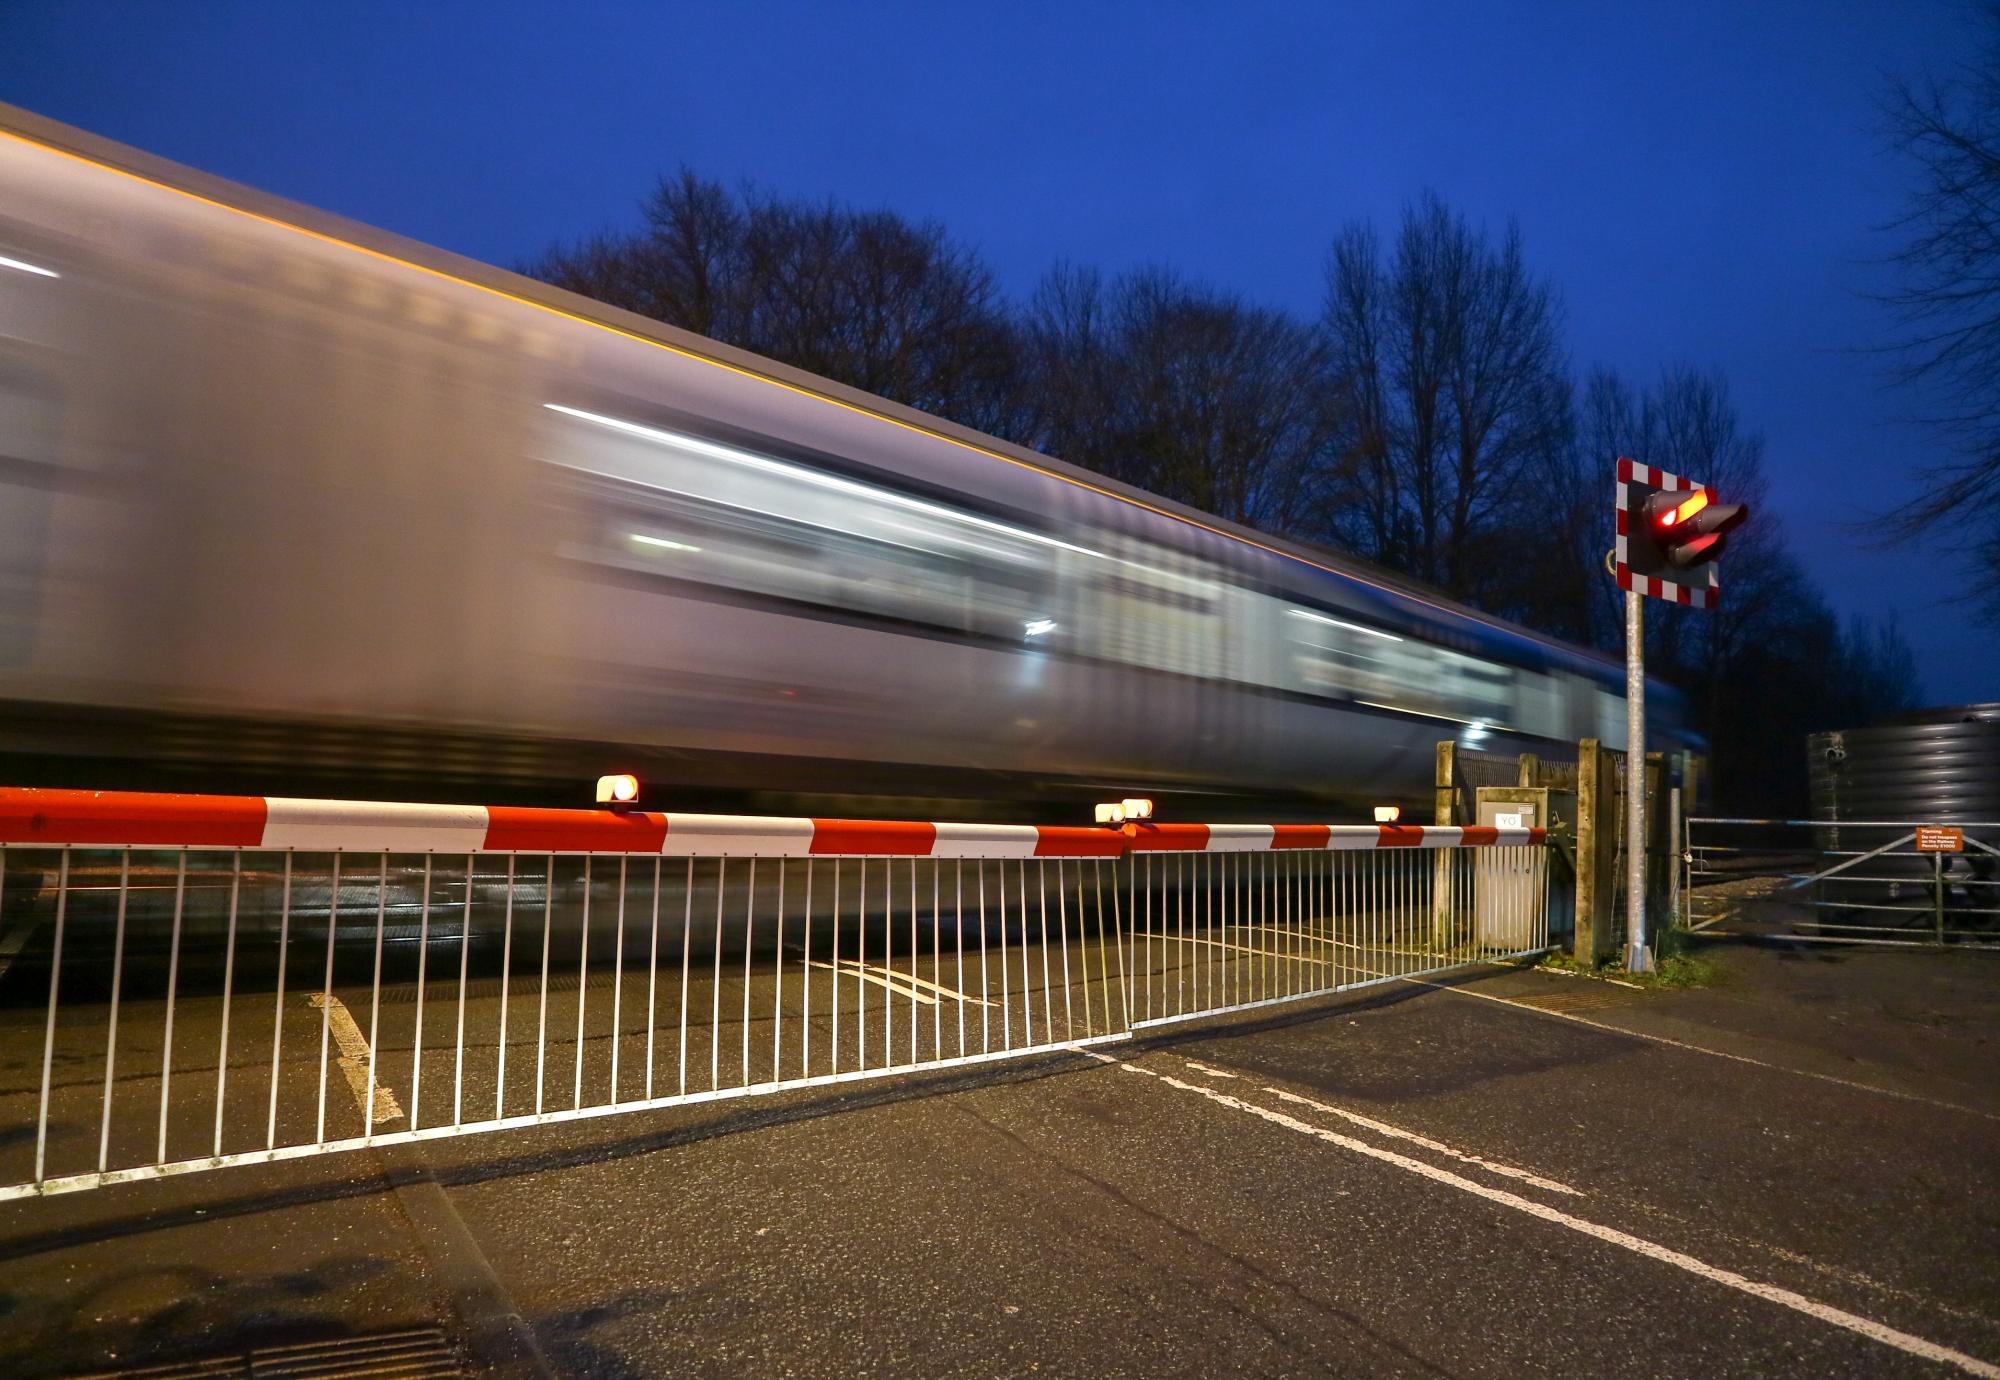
1599	821
1445	808
1531	766
1447	765
1589	829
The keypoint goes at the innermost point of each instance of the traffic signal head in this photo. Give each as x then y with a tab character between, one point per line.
1670	531
1688	528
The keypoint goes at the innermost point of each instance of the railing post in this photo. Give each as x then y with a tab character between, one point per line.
1937	894
1675	827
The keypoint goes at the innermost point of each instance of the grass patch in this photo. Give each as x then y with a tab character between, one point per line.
1676	965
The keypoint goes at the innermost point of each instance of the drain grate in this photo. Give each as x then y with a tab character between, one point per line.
416	1354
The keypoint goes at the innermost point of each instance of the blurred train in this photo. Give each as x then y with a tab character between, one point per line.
290	504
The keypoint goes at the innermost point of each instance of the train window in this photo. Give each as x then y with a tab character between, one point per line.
690	509
1339	657
1139	609
1435	681
831	552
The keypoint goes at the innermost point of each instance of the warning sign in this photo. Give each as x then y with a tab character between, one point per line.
1938	838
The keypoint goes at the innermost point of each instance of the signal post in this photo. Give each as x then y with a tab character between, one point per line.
1670	532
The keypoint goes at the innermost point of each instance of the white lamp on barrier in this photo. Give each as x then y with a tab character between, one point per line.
1115	812
617	792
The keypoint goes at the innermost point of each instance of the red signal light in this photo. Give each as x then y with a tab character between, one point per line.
1670	532
1687	509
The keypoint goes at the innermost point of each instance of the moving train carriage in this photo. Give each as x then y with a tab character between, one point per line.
301	482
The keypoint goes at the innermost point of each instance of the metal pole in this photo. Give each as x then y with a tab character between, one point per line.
1638	958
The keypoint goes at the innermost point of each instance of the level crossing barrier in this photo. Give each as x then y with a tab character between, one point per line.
193	982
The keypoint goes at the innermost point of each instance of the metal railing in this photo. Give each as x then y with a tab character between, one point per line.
1230	917
1854	882
194	982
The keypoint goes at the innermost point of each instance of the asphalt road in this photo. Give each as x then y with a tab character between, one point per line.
1793	1173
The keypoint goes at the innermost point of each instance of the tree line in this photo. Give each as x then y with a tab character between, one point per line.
1428	419
1946	306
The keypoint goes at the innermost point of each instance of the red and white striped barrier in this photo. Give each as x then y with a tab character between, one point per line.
55	818
123	818
1272	838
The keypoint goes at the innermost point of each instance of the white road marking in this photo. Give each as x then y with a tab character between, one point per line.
1846	1276
1204	1068
1233	948
1168	941
1714	1053
1666	1255
1305	938
900	983
1436	1146
882	977
354	1059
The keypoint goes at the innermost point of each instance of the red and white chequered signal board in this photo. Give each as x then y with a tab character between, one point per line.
1699	595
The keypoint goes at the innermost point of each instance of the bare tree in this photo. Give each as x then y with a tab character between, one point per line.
1879	676
1559	581
1379	519
1451	352
1184	390
1071	354
685	267
1949	301
864	297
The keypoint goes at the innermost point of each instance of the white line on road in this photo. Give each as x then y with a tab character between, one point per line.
1302	955
1437	1146
1845	1276
1170	942
1812	1308
1704	1049
900	983
354	1059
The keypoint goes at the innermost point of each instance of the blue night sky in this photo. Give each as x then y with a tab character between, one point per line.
1705	179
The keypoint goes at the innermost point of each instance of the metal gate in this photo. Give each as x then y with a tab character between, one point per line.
201	981
1897	882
